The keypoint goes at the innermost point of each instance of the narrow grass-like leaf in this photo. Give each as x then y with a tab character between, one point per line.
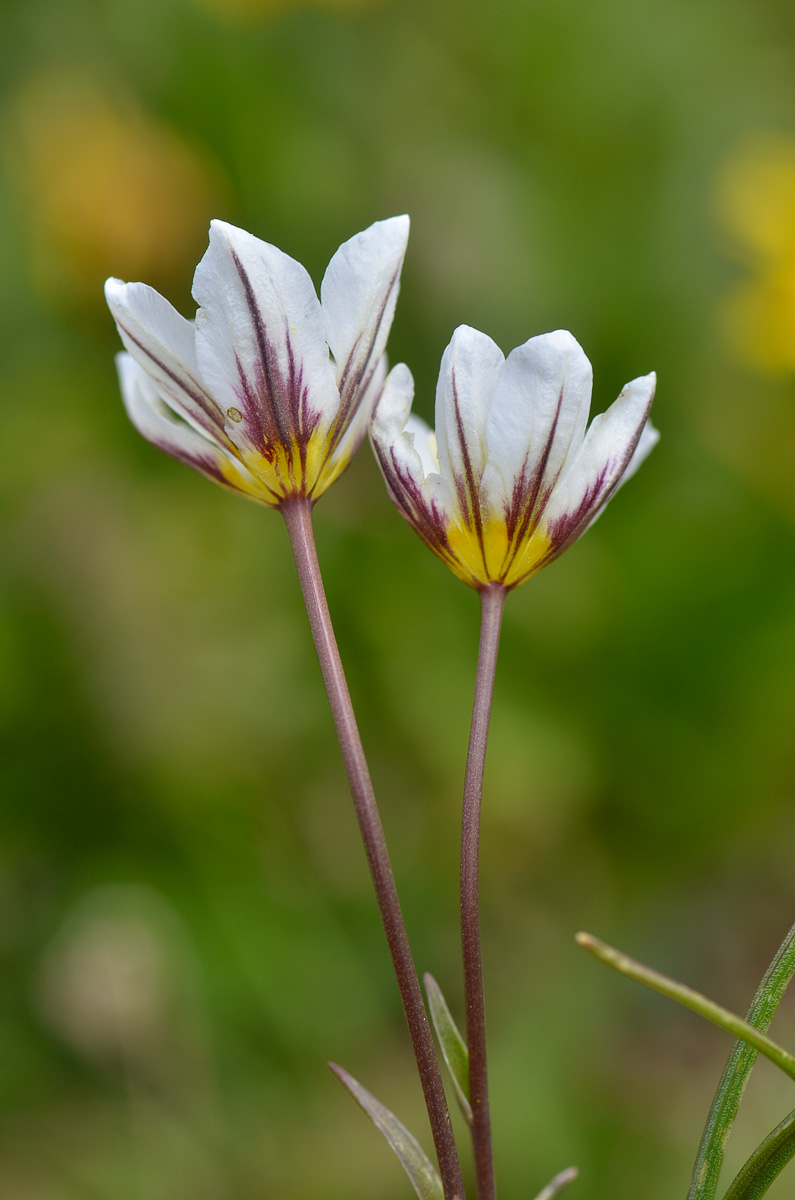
454	1048
731	1087
766	1163
556	1185
415	1161
690	999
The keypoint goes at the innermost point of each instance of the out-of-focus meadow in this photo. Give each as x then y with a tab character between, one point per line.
185	915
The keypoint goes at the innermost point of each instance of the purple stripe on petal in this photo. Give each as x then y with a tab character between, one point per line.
467	489
355	379
566	528
183	384
268	398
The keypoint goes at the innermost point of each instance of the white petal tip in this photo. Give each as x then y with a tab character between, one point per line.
559	340
115	292
649	381
222	229
467	338
232	235
401	222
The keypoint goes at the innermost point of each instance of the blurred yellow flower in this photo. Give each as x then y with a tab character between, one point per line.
103	187
756	204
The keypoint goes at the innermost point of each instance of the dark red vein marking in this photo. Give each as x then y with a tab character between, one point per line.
353	389
204	402
269	379
461	489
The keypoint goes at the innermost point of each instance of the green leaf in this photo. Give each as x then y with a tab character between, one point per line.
731	1087
416	1163
693	1000
454	1048
556	1185
766	1163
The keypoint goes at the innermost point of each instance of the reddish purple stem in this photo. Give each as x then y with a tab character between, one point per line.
492	600
297	515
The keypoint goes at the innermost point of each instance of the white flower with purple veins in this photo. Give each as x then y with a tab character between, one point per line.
511	477
269	391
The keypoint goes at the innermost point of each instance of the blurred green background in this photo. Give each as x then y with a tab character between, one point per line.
185	917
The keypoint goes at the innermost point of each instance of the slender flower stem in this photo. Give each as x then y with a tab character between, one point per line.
492	600
298	519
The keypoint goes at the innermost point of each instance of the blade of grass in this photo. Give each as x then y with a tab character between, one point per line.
454	1049
413	1158
729	1093
766	1163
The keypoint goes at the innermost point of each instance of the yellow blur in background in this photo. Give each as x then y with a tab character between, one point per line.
756	201
103	185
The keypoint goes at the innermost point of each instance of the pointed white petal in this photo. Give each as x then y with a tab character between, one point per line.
358	296
401	443
153	418
162	342
537	419
351	437
260	341
615	445
471	366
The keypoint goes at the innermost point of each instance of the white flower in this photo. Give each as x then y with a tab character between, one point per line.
269	390
510	478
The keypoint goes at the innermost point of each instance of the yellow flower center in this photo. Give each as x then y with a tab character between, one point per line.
493	557
280	471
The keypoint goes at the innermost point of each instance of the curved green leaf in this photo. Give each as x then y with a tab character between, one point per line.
731	1087
766	1163
454	1048
415	1161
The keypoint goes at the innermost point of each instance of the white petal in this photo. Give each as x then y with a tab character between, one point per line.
153	418
425	443
358	296
646	442
161	341
537	418
393	409
470	368
351	437
615	445
400	441
260	341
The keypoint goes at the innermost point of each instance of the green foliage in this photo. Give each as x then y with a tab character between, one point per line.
770	1158
415	1162
454	1049
733	1082
766	1163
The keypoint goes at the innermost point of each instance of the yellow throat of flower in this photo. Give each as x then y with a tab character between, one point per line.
283	470
491	556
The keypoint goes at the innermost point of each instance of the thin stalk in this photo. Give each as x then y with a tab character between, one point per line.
691	999
298	519
492	600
